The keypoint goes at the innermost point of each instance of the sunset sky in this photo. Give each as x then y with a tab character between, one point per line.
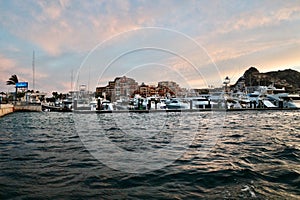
195	43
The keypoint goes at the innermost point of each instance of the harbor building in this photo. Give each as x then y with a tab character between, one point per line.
172	88
121	88
124	88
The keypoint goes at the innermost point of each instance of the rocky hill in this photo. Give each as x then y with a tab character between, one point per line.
290	79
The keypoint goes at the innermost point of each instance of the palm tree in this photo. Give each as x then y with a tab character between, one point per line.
1	97
12	81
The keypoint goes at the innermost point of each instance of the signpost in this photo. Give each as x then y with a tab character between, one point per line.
22	85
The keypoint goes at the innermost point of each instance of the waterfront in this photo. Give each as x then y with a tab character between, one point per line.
257	154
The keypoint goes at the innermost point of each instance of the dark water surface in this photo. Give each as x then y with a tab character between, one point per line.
256	156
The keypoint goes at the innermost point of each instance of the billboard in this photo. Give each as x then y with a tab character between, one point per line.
22	85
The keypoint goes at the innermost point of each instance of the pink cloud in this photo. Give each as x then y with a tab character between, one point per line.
65	85
260	18
6	67
9	67
60	27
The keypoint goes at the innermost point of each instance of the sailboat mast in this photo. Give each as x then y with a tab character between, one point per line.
33	71
88	86
72	80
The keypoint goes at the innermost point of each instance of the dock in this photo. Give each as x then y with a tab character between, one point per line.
27	107
6	109
19	107
184	110
10	108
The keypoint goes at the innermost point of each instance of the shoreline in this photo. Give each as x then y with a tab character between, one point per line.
6	109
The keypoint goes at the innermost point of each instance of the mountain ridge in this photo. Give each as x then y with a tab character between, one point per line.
288	78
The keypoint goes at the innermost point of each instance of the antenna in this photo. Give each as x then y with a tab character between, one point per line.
33	71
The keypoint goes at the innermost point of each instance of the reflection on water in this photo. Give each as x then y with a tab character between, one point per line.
256	154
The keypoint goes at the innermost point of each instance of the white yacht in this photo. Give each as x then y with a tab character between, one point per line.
260	98
202	102
93	105
287	100
107	105
293	101
177	104
280	98
162	104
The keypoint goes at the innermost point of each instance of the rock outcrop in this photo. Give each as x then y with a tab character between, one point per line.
289	79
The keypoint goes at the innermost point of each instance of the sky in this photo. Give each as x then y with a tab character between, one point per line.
194	43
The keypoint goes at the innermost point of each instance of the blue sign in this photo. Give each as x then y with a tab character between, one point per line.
22	85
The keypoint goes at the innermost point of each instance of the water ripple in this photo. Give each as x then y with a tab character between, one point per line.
256	156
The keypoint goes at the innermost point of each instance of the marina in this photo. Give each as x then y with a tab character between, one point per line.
124	94
263	98
143	100
225	99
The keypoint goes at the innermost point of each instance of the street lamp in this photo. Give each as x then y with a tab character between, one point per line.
226	82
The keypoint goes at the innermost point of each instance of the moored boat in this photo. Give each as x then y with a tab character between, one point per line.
177	104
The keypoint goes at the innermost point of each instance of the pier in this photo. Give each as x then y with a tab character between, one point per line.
6	109
19	107
184	110
10	108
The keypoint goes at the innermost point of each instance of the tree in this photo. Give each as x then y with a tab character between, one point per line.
20	95
55	94
12	81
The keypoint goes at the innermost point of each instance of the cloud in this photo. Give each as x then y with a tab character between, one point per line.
233	33
6	71
6	63
59	27
263	17
10	66
52	11
255	31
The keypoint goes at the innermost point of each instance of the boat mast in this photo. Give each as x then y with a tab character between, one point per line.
88	86
33	71
72	80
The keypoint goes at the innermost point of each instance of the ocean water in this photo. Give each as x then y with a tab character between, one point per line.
207	155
